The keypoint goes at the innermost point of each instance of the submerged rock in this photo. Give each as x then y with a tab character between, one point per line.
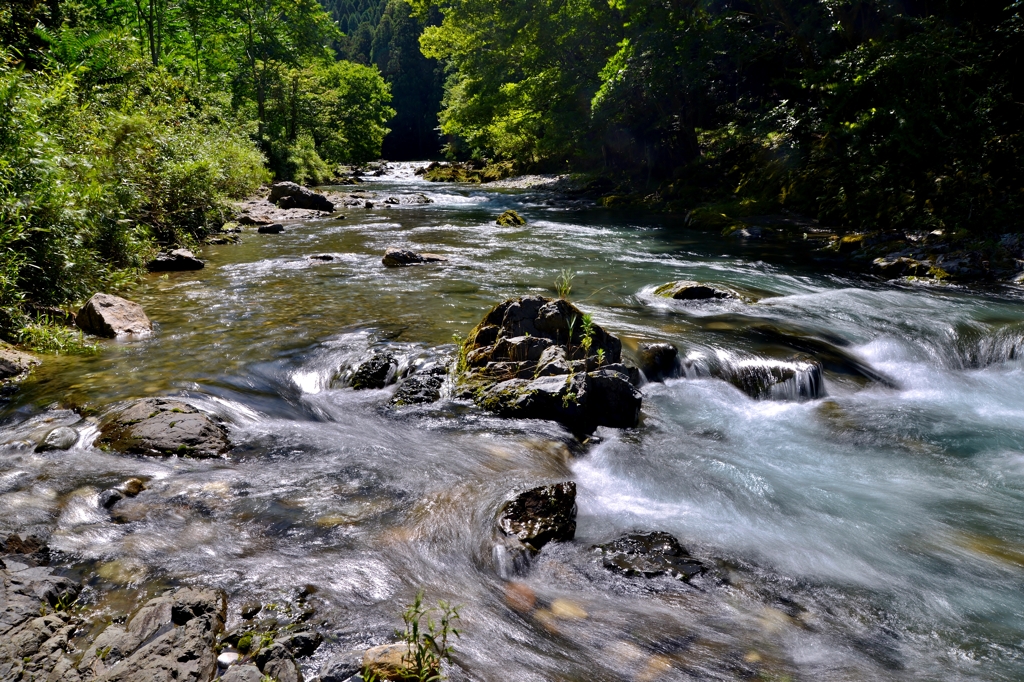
658	361
164	426
110	316
377	372
177	260
685	290
291	195
649	555
539	358
395	257
510	219
61	438
541	515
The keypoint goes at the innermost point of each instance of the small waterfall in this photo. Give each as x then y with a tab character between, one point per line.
796	379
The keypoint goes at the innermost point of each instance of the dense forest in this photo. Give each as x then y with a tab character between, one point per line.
125	125
866	114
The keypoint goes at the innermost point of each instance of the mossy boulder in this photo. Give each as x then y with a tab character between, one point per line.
510	219
539	358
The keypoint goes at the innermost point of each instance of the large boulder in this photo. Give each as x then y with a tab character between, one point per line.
541	515
164	426
541	358
110	316
178	260
649	555
291	195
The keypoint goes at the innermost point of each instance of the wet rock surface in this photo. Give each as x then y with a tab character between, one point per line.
164	426
541	515
658	361
649	555
510	219
396	257
540	358
376	372
422	387
798	378
111	316
178	260
61	438
686	290
290	195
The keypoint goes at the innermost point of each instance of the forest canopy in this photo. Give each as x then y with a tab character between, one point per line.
863	113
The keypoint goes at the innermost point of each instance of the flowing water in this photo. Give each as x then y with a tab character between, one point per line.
872	533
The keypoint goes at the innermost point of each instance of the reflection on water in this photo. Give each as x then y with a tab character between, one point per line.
872	532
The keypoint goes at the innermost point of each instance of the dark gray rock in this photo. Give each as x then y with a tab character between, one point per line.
110	316
291	195
541	515
395	257
685	290
108	498
658	361
377	372
61	438
251	609
649	555
275	228
242	673
277	662
611	400
521	348
177	260
164	426
421	388
302	644
342	667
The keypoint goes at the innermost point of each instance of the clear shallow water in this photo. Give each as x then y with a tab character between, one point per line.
875	533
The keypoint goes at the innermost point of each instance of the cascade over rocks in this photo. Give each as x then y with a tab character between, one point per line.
532	358
658	361
164	426
111	316
649	555
291	195
541	515
178	260
798	378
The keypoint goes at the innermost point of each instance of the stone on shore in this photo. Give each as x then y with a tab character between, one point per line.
164	426
15	363
649	555
178	260
541	515
395	257
111	316
291	195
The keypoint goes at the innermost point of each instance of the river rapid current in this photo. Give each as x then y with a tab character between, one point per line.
874	533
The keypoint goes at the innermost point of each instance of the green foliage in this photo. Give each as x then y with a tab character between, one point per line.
427	641
46	336
563	286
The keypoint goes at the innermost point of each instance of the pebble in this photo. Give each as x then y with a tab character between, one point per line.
227	658
567	610
520	597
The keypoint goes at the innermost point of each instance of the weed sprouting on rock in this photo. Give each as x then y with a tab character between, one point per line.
427	643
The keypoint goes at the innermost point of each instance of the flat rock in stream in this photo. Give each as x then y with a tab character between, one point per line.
111	316
178	260
541	515
395	257
649	555
164	426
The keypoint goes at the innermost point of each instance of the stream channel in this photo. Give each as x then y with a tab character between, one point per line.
874	533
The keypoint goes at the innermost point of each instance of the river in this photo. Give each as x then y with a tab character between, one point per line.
875	533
